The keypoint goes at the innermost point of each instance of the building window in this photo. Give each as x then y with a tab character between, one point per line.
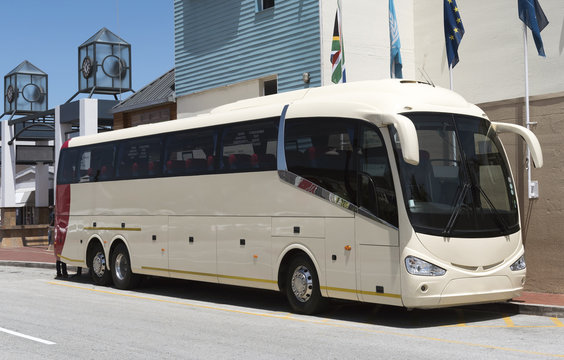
270	87
264	4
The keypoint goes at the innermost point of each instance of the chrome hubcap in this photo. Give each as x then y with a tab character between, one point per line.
99	264
302	283
121	266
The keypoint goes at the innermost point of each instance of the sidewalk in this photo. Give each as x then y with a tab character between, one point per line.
528	303
29	256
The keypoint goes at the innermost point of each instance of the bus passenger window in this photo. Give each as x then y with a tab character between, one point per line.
139	158
250	146
320	150
68	170
96	163
188	153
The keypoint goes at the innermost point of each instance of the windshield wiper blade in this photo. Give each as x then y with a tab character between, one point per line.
498	216
461	195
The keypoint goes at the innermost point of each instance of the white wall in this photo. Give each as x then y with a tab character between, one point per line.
491	63
204	101
367	38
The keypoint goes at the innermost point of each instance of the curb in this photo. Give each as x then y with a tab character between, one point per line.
515	307
33	264
30	264
540	310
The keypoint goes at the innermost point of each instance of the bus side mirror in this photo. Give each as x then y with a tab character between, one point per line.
407	136
527	135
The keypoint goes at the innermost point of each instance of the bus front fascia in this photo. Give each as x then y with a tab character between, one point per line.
527	135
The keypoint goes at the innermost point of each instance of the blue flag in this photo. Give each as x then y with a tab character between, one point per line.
453	30
395	55
530	12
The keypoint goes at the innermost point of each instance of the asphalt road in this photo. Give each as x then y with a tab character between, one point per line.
44	318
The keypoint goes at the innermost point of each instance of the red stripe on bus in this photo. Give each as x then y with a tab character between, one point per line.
62	212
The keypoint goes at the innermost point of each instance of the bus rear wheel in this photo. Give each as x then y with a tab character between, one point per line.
98	269
121	269
302	287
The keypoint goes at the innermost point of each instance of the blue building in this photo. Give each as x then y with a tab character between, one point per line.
226	50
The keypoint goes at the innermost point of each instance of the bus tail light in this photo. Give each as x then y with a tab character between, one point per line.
416	266
519	264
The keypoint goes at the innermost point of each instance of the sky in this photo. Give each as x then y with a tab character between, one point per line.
48	33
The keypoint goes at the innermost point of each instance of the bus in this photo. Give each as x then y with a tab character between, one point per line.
391	192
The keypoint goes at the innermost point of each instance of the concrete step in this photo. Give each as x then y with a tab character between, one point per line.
36	241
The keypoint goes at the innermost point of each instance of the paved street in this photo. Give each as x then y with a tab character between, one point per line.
69	319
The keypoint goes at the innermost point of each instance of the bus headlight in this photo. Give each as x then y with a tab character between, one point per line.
416	266
519	264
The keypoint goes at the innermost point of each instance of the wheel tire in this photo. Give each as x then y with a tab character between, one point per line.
98	270
302	287
121	269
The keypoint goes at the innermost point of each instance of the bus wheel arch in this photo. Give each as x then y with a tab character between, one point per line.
120	266
298	279
118	239
96	260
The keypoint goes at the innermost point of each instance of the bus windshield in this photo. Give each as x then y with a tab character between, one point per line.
462	186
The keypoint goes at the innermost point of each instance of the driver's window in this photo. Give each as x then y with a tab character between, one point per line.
377	194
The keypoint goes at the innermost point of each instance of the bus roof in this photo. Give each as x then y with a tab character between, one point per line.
353	100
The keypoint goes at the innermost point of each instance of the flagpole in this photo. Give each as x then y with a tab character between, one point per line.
450	75
527	116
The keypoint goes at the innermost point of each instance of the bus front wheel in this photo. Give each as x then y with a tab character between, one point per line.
121	268
98	269
302	287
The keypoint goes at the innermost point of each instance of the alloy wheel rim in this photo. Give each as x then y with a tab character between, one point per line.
99	264
121	266
302	283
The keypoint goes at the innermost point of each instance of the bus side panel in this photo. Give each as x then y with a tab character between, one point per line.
147	240
304	233
74	249
244	254
378	263
193	248
341	255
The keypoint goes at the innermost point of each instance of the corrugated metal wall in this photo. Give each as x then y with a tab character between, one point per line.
222	42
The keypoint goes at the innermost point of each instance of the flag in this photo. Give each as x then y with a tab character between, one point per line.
530	12
337	50
395	55
453	30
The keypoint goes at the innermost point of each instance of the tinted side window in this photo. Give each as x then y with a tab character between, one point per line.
377	194
96	163
321	151
138	158
67	171
250	146
189	153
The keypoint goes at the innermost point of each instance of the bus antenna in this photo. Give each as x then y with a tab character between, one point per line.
426	77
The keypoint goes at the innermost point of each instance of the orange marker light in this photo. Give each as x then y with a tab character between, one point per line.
255	256
163	250
348	248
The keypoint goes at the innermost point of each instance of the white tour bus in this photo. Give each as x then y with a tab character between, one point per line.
392	192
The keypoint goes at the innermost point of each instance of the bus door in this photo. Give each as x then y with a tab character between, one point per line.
376	222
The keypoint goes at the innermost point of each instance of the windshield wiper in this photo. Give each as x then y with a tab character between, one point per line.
498	217
459	200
